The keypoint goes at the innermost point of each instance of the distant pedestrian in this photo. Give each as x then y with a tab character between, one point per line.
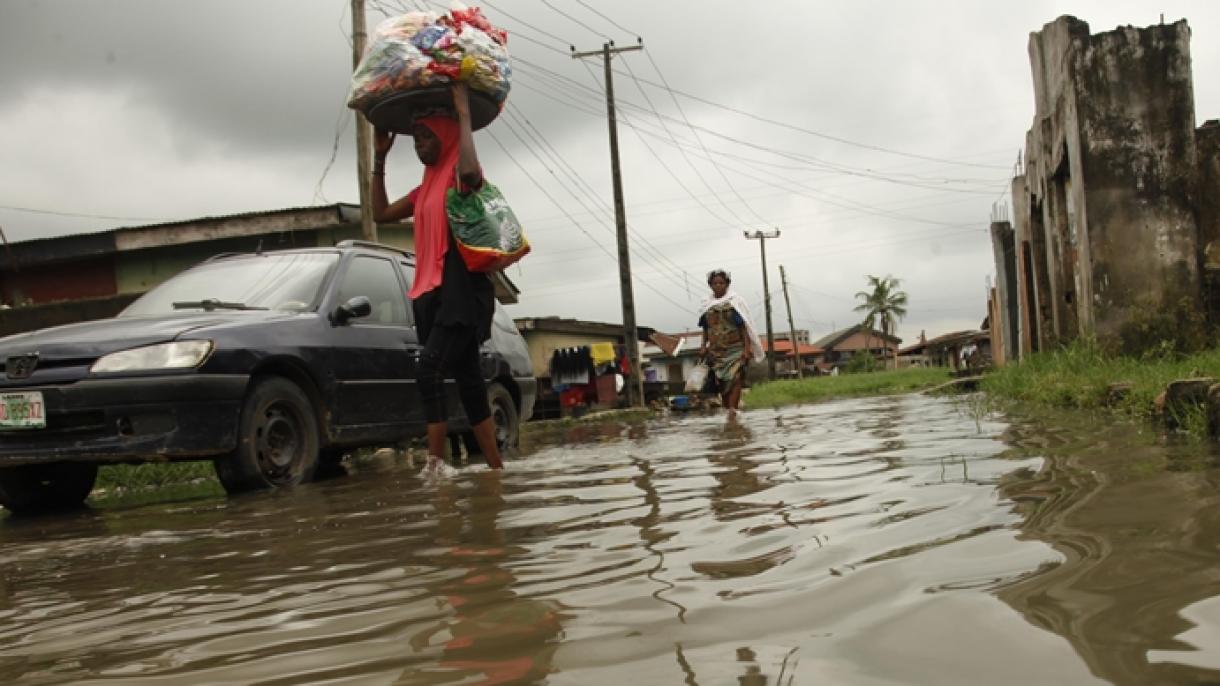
453	305
730	340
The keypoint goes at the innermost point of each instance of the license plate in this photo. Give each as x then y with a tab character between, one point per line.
22	411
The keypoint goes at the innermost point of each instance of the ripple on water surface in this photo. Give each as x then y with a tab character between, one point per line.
856	542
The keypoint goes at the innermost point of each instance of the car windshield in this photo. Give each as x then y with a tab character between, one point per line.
272	281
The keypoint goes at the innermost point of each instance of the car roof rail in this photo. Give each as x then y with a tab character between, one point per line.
353	243
226	255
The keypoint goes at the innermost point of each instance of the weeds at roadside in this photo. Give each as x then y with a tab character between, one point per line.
125	482
1082	375
820	388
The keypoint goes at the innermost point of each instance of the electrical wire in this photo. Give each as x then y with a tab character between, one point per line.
718	196
533	150
82	215
810	161
693	132
608	19
574	20
658	255
572	219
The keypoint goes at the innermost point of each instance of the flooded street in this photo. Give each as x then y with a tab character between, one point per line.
905	540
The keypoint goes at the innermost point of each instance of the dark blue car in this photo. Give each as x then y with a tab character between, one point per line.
269	364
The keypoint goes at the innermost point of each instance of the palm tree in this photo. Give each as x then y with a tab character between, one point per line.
885	304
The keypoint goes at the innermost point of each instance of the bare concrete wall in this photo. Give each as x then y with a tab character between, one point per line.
1005	313
1207	214
1137	124
1108	185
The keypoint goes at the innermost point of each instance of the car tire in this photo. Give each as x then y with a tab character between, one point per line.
46	487
330	464
503	415
277	440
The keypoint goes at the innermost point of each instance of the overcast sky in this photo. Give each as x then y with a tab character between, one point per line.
877	136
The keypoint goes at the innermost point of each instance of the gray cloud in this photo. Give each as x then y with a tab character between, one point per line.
166	110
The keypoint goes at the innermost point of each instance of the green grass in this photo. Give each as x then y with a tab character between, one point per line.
819	388
1080	375
124	481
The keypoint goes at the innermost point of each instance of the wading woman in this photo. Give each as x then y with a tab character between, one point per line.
729	338
453	306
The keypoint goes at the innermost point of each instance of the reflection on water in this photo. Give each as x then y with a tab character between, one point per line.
1138	523
878	541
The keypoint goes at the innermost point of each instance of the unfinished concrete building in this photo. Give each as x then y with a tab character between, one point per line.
1107	235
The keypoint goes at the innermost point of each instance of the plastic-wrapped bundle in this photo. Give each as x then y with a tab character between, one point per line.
414	54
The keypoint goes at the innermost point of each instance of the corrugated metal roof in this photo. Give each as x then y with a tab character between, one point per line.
346	212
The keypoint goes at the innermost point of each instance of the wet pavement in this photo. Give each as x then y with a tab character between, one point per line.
904	540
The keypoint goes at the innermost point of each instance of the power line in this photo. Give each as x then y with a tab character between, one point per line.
737	217
695	133
82	215
547	150
819	134
735	110
340	127
555	202
576	21
811	161
923	182
530	26
616	24
586	188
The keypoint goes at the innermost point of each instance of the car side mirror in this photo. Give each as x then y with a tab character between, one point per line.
355	308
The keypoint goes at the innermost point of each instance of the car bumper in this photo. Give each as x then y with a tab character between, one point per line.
131	419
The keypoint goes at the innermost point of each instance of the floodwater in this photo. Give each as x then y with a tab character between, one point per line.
905	540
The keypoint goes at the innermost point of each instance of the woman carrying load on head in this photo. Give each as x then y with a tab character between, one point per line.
453	305
730	341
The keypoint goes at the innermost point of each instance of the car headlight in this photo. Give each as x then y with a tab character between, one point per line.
176	355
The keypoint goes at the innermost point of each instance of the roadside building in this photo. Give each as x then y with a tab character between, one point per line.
786	360
66	279
669	358
838	348
1114	219
545	336
957	350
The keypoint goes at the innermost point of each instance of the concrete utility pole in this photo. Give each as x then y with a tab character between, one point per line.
635	384
796	351
364	132
762	237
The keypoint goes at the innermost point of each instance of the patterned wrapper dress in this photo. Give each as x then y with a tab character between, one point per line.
725	342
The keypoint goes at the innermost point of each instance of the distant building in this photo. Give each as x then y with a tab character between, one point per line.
545	335
839	347
65	279
946	350
668	358
802	335
786	361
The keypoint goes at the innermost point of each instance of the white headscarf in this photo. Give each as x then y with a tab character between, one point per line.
739	304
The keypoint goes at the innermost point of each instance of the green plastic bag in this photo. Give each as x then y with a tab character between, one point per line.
487	233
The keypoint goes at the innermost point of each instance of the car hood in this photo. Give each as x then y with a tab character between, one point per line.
87	340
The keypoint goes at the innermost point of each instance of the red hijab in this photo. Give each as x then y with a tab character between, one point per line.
431	221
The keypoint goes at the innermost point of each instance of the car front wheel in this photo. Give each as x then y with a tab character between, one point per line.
277	443
503	416
46	487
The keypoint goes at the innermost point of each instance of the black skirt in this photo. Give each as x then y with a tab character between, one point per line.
464	299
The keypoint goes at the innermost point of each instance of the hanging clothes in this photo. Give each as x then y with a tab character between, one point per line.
571	366
602	354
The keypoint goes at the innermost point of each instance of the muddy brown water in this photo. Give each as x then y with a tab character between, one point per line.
895	540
